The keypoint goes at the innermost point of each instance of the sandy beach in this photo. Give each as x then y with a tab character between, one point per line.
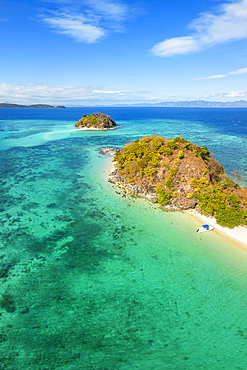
94	129
238	234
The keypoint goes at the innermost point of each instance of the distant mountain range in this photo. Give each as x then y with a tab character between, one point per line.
191	104
9	105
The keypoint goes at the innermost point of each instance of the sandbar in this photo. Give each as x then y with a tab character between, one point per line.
46	136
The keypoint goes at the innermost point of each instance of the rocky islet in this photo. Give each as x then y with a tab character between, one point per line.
179	175
96	121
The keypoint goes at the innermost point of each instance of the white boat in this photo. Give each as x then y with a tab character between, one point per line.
204	228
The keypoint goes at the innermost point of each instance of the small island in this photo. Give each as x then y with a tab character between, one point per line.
180	175
10	105
96	121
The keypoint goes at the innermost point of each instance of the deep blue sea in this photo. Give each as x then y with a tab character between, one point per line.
93	279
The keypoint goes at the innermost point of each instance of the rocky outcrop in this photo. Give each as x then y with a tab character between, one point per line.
110	151
148	191
96	121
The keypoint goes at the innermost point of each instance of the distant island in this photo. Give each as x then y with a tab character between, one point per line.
9	105
96	121
180	175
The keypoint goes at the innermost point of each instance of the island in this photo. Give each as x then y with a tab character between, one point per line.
96	121
9	105
180	175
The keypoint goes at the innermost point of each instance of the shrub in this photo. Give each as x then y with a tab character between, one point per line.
165	150
188	146
156	143
227	183
168	182
204	153
180	154
163	195
195	153
173	171
140	163
172	144
150	171
179	139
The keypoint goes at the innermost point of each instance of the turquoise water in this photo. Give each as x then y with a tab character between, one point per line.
93	279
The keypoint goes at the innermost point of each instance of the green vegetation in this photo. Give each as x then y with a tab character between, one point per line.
143	156
179	139
96	120
173	171
90	120
188	146
164	196
218	201
202	152
172	144
169	182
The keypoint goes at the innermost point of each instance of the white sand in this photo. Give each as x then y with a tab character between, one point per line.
238	234
47	136
94	129
112	168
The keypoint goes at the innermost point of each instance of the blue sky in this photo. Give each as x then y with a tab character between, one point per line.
93	52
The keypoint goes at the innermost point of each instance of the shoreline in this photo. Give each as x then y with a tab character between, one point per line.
238	234
93	129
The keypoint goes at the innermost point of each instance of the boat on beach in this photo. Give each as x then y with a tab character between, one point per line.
204	228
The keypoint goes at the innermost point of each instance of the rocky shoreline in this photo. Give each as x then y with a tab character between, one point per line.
133	190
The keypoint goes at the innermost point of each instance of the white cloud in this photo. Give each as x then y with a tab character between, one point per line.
237	72
85	20
177	45
43	93
234	94
113	10
210	77
231	94
108	92
74	26
229	23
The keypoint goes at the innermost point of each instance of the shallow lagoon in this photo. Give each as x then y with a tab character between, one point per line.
92	279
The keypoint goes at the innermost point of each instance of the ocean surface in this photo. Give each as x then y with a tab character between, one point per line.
93	279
